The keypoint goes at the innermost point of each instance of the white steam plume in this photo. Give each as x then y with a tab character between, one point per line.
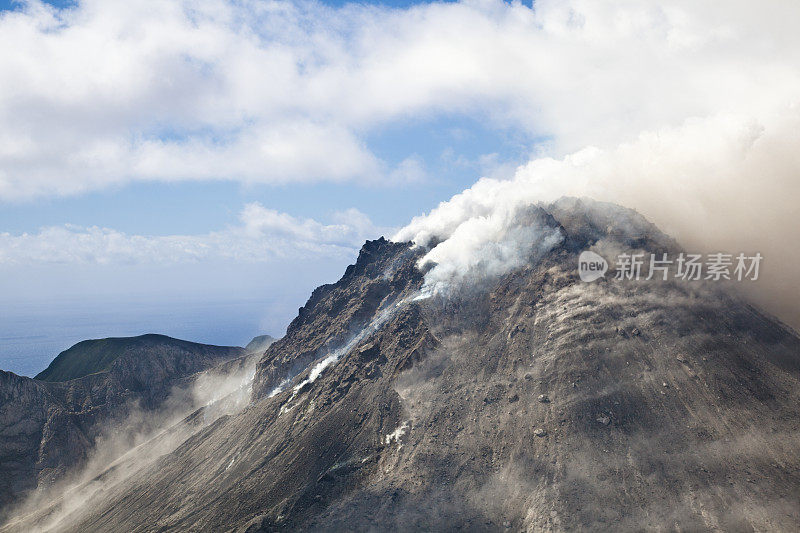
728	182
485	243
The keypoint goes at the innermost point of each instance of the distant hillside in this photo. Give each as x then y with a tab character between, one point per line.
49	424
259	344
97	355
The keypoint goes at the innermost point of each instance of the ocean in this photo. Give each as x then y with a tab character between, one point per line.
32	333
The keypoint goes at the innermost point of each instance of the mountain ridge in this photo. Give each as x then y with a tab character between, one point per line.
92	356
48	428
530	401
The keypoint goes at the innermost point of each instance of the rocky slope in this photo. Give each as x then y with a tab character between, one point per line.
532	402
48	425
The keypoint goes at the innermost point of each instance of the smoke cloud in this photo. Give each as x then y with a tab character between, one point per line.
481	241
726	183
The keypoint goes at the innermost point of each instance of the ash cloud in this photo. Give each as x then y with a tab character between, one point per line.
688	114
725	183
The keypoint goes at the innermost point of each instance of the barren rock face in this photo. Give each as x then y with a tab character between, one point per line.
525	403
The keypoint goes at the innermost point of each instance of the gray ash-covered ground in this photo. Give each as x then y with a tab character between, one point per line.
532	401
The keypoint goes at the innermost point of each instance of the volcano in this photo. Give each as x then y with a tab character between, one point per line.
523	399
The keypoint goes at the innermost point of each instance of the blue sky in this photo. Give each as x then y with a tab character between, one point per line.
448	145
224	158
164	209
450	150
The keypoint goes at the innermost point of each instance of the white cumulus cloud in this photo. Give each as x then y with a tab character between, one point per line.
261	235
110	91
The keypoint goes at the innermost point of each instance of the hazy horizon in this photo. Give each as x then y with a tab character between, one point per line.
36	325
31	338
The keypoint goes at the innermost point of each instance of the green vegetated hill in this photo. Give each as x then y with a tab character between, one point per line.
97	355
